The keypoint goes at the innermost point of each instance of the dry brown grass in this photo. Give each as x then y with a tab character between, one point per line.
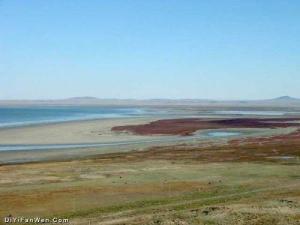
241	180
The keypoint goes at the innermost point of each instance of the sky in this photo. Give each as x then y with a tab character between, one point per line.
216	49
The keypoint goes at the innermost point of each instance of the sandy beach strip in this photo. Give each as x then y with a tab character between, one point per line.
76	132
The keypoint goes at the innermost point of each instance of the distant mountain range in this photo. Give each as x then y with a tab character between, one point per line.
280	101
285	98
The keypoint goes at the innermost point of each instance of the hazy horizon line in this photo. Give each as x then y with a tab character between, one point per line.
147	99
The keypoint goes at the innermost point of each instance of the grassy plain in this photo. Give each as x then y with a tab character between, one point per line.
251	181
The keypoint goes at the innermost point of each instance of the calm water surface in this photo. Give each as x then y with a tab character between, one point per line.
18	116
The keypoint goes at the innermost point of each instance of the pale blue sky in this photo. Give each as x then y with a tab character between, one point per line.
149	49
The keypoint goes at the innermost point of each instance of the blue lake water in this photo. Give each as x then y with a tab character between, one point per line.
18	116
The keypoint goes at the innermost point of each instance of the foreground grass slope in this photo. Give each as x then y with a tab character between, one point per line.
242	182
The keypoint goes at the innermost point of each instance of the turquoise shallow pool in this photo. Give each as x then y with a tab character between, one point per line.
223	133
